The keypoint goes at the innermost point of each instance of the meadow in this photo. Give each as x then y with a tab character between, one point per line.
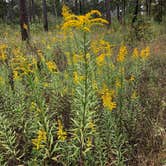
83	94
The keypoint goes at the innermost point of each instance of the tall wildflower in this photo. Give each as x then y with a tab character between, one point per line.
101	49
82	22
51	66
62	135
145	53
135	53
40	140
3	55
107	98
122	53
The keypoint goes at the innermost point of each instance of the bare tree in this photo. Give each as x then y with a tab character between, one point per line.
24	20
45	20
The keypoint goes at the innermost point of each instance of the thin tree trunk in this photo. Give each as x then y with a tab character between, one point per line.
135	12
149	7
81	8
76	6
124	10
45	20
160	10
108	11
118	13
33	9
24	20
30	10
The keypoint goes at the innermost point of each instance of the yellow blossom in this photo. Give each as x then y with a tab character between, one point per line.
51	66
101	47
100	59
77	78
89	142
132	78
33	105
145	53
107	98
40	140
82	22
117	83
122	53
135	53
62	135
92	126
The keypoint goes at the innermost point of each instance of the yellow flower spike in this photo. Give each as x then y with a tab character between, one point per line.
82	22
89	142
51	66
33	106
117	83
132	78
135	53
145	53
40	140
77	78
62	135
107	98
15	75
122	53
100	59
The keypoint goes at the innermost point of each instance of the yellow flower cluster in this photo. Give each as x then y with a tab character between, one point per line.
92	126
135	53
62	135
82	22
51	66
22	65
40	140
122	53
107	98
101	49
3	55
77	78
145	53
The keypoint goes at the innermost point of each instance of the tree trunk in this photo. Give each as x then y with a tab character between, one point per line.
76	6
29	11
124	11
108	11
148	7
135	12
81	8
45	20
24	20
118	13
33	9
160	10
